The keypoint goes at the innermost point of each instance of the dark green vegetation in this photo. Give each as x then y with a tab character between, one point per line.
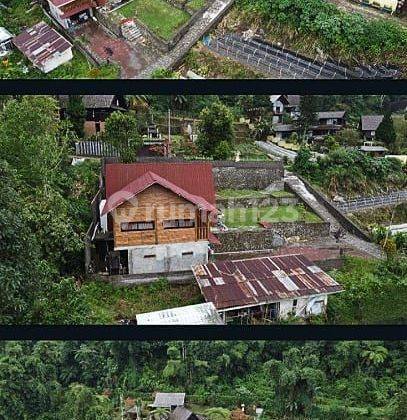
109	303
289	380
375	292
342	34
24	13
382	216
349	172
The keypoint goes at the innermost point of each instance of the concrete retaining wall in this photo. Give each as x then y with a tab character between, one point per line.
255	202
254	239
246	175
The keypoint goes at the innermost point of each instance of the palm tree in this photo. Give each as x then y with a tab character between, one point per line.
159	413
217	413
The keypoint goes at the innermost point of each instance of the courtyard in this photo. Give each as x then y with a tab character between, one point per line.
160	16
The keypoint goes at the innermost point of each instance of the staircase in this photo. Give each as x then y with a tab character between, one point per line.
132	33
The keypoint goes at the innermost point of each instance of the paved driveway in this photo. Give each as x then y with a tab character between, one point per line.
131	58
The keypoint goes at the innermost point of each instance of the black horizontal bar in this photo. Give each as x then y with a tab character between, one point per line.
204	87
230	332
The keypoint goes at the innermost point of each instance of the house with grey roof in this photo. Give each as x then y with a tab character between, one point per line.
369	124
98	108
182	413
284	104
170	400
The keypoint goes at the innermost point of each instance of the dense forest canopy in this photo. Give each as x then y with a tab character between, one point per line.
97	380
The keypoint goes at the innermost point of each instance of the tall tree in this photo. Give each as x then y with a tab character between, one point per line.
76	113
308	114
386	132
215	127
121	131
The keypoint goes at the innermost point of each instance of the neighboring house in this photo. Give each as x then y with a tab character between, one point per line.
372	149
6	44
389	5
265	288
200	314
369	124
284	105
44	47
72	12
98	108
170	400
328	123
182	413
155	217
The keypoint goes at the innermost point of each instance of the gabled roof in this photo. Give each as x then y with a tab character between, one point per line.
371	122
168	399
194	177
294	100
180	413
5	35
89	101
40	43
331	114
256	281
147	180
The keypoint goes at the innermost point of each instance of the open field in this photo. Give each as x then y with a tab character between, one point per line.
161	17
229	193
249	217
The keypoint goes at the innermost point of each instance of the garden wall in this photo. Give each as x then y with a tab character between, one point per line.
254	239
256	202
246	175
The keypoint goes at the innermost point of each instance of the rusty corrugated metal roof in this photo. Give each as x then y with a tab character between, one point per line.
41	42
195	178
237	283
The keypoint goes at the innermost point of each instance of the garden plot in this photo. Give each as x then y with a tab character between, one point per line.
159	16
242	217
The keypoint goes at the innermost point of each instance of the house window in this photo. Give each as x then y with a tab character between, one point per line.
149	256
295	302
187	254
178	223
136	226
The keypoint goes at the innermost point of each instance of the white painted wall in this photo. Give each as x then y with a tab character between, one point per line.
56	60
167	257
57	13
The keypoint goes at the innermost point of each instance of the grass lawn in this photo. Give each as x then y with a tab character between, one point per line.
282	194
249	217
250	152
229	193
160	16
110	303
196	4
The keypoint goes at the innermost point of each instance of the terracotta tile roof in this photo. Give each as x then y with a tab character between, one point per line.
194	177
230	284
147	180
40	43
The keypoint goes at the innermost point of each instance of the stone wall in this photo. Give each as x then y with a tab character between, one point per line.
246	175
255	202
254	239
